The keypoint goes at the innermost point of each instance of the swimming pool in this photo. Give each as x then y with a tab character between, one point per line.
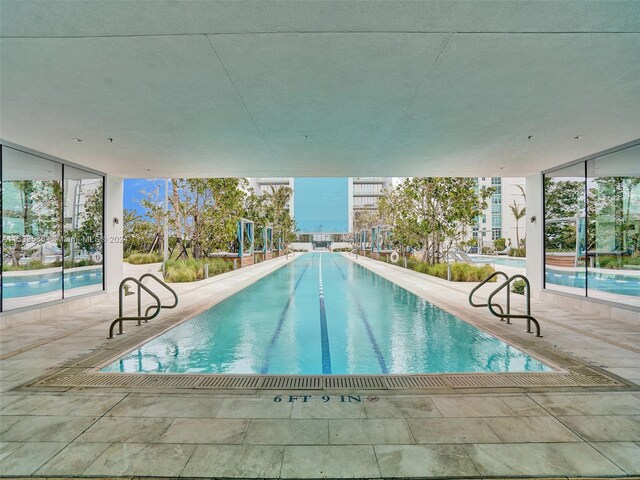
17	286
505	261
323	314
610	282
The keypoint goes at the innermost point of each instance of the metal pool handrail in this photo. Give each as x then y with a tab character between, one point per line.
173	292
509	315
488	279
146	317
138	317
355	250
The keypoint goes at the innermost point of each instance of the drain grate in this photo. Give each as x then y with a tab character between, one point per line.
417	381
230	381
73	378
364	383
293	383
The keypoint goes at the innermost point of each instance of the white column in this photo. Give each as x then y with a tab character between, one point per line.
113	227
535	270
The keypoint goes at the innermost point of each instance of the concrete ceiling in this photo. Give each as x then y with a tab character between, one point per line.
319	88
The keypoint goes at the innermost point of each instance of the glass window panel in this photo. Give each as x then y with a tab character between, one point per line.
83	232
613	233
565	232
31	229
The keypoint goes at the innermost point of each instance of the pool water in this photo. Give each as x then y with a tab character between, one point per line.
323	314
620	284
37	284
505	261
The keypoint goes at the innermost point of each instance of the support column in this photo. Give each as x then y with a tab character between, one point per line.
534	234
113	221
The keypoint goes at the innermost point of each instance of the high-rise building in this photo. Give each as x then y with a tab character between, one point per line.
267	184
497	220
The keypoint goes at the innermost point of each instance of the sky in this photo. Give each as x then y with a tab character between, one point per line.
133	188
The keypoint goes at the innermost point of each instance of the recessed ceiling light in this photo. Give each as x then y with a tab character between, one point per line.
530	137
76	139
148	169
578	137
110	140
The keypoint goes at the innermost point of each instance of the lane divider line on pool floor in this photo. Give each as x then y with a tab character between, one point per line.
283	316
324	331
367	325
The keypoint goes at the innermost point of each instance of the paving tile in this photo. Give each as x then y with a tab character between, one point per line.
625	455
369	431
530	429
45	428
589	404
6	400
129	459
470	406
245	461
524	406
424	461
287	432
206	430
89	406
451	430
632	374
126	429
604	428
316	408
6	422
25	458
74	459
538	459
329	461
402	407
7	448
165	406
263	407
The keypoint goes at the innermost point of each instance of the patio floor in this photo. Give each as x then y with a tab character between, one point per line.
339	433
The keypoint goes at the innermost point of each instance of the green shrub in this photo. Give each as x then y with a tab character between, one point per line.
518	252
143	258
32	265
190	270
500	244
612	262
488	250
463	272
518	287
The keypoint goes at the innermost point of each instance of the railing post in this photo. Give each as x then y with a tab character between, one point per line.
139	305
508	320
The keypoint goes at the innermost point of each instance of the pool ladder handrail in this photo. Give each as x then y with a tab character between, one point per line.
483	282
140	318
167	287
508	315
530	318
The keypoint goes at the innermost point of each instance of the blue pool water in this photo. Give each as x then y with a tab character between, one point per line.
37	284
323	314
603	282
506	261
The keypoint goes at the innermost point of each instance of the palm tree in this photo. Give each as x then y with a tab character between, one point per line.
518	213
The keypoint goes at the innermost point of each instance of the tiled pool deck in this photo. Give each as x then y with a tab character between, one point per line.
111	432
